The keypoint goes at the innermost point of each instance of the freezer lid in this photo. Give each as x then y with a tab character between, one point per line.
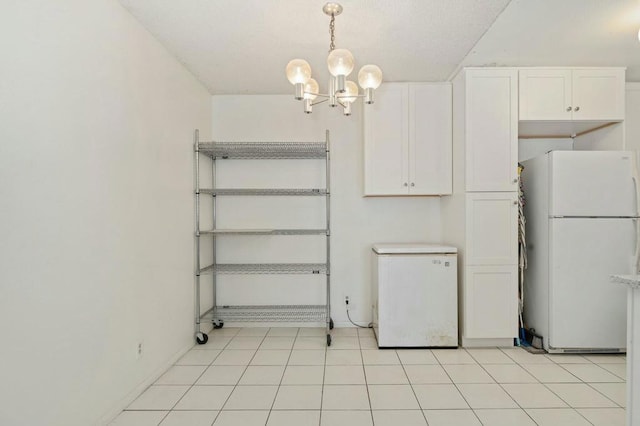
412	248
592	184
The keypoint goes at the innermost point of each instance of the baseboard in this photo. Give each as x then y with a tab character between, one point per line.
487	343
131	396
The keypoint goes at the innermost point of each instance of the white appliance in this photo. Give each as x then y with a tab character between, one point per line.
582	212
415	295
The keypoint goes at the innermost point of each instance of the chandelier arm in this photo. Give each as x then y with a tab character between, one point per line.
319	102
350	96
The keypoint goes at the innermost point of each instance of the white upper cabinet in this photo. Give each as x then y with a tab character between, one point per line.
386	136
577	94
491	129
407	140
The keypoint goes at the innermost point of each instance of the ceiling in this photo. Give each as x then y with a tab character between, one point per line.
242	47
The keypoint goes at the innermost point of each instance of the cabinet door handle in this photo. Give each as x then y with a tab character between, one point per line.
405	184
576	109
413	184
568	108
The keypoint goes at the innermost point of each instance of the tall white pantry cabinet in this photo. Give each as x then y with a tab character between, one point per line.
481	215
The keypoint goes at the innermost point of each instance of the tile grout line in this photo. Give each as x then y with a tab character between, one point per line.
198	378
240	378
282	378
455	384
411	384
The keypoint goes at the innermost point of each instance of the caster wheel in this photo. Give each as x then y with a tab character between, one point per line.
328	340
218	325
330	323
202	338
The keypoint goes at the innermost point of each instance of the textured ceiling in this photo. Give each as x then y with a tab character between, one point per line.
243	46
563	33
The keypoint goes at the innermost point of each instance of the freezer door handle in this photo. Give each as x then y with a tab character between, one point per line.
635	177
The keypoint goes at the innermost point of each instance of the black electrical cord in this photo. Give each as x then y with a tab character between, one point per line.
370	325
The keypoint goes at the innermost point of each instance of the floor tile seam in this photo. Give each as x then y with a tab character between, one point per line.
412	389
563	408
565	369
452	383
512	383
601	393
324	367
514	400
240	378
366	384
280	384
575	408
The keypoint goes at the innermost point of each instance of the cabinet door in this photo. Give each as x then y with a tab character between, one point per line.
491	135
545	94
491	302
386	140
598	94
430	128
492	228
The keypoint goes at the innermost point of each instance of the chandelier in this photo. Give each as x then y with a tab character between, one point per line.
341	91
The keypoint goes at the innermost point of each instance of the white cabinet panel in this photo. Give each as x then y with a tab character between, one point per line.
598	94
545	94
386	133
491	130
430	130
492	228
572	94
407	140
491	301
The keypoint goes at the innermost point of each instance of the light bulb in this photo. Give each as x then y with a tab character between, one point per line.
340	62
298	71
311	86
351	92
370	77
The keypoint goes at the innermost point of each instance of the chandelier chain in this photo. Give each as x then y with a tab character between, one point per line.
332	29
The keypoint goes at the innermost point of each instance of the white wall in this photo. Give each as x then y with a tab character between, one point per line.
356	222
530	148
632	117
96	218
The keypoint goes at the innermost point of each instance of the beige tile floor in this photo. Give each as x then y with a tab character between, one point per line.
287	377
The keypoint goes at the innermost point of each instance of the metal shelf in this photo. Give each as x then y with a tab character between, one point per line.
264	232
265	268
264	150
265	191
270	313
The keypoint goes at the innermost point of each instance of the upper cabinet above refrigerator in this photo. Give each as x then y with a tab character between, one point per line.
557	101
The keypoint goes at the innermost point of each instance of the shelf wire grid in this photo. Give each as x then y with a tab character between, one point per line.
265	268
268	313
265	191
264	150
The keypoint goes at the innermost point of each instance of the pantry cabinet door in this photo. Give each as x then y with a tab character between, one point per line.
491	130
491	302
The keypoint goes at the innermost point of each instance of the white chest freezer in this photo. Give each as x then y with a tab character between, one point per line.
415	295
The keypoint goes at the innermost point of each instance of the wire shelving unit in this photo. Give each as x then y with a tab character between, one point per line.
218	314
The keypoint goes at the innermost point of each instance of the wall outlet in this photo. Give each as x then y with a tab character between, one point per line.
347	300
348	303
139	348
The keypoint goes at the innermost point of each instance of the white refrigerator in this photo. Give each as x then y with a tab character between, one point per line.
582	216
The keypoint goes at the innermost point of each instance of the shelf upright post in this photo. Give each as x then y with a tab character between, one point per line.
213	238
328	195
196	147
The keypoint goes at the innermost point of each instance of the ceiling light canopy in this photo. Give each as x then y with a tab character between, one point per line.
341	64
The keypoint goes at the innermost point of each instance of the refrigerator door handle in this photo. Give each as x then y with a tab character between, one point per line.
635	177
